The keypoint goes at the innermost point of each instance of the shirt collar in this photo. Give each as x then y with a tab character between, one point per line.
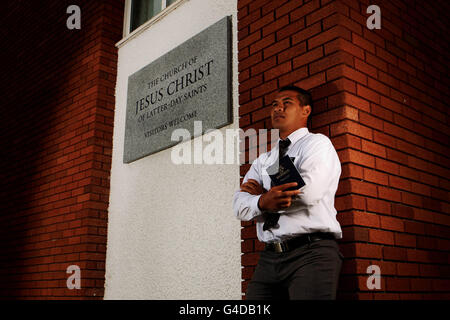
297	135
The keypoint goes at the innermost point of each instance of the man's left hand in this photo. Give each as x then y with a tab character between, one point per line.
253	187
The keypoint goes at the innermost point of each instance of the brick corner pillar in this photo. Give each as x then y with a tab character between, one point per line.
380	95
57	124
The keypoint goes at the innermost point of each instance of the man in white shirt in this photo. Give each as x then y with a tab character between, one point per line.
301	259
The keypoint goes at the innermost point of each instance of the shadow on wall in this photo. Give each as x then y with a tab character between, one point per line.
42	68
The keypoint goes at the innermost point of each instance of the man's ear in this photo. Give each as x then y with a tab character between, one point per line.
307	110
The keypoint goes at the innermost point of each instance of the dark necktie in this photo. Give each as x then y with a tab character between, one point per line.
272	218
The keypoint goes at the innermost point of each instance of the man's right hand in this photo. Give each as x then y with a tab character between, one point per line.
276	198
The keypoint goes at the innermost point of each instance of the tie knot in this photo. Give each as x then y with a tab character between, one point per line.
284	143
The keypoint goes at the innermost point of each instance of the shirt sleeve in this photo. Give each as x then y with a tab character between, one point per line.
319	168
245	205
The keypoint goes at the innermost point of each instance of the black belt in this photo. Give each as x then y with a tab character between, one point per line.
296	242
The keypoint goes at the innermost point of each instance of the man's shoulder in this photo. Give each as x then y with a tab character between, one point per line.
316	139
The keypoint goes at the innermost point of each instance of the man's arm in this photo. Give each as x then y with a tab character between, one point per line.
253	194
245	204
319	169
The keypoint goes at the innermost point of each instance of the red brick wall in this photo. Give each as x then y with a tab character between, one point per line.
381	96
56	140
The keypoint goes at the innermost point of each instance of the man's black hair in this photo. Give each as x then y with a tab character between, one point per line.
303	96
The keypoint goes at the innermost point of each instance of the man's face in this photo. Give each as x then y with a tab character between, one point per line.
287	112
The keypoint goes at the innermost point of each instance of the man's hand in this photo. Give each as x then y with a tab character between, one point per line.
276	198
253	187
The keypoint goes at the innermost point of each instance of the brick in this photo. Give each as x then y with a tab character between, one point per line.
363	43
363	188
381	112
364	250
399	183
263	66
322	13
303	10
250	61
312	82
334	86
302	35
247	41
421	285
376	62
334	115
407	68
255	5
250	259
367	93
242	3
279	46
344	45
387	268
264	89
392	223
347	141
291	52
287	8
394	253
343	20
293	29
375	176
403	211
248	233
326	36
386	56
411	199
276	25
373	148
405	240
380	236
348	72
354	156
366	68
308	57
346	98
378	86
347	126
249	19
389	194
244	121
375	123
258	21
397	284
388	79
330	61
349	202
261	113
293	76
250	83
379	206
277	71
260	44
355	234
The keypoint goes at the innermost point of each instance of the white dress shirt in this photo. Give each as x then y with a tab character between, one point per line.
311	211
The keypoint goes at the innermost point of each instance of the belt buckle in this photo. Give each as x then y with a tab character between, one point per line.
280	247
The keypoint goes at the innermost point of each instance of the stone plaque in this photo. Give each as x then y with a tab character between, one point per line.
190	83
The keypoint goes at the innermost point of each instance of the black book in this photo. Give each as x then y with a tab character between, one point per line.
287	172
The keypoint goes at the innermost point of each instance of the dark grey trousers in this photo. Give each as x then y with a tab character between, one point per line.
309	272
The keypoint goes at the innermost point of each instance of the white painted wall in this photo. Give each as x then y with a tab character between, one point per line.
171	230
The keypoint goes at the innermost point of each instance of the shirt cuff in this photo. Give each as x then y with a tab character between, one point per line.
255	206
